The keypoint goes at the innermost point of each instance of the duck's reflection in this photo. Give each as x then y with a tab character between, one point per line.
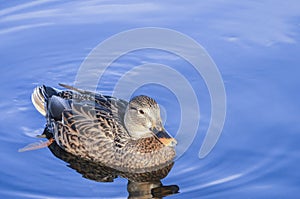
140	185
153	189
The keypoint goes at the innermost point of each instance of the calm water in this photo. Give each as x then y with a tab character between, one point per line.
254	44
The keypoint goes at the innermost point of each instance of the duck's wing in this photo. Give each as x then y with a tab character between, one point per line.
82	118
89	126
117	106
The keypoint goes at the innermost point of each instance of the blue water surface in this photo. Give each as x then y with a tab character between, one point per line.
255	45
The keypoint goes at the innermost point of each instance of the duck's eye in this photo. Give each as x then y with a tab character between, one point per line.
141	112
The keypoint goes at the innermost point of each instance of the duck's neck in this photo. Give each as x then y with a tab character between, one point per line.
147	144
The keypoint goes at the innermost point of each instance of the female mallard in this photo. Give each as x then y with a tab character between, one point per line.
105	129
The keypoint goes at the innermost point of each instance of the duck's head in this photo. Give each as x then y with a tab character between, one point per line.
142	119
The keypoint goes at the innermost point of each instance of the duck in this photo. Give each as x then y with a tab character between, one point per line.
127	136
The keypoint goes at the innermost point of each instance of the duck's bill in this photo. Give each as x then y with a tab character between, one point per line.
165	138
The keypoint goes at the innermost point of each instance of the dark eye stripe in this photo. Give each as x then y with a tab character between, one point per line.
133	108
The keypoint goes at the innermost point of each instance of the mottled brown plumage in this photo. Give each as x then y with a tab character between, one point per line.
140	185
105	129
101	173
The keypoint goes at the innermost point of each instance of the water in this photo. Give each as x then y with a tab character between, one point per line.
254	45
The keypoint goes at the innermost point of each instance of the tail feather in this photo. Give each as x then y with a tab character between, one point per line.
38	99
46	96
